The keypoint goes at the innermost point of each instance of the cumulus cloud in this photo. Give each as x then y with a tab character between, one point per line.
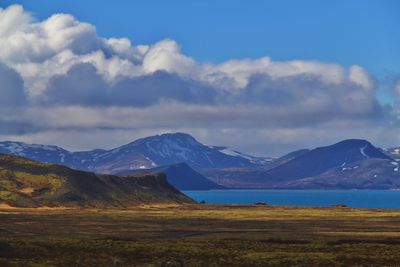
80	85
83	85
59	75
42	50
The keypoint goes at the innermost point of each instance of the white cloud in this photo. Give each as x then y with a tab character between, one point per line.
78	81
360	77
165	55
41	50
13	19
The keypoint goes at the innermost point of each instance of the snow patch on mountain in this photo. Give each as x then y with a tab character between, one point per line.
230	152
396	164
16	149
234	153
396	151
362	151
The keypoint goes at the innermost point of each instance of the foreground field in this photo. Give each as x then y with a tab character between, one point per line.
200	235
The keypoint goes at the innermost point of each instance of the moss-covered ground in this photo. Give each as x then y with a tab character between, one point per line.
200	235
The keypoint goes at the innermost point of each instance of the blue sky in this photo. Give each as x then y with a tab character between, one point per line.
363	32
263	77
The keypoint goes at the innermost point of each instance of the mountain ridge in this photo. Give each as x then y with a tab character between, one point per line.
310	168
351	163
321	159
143	153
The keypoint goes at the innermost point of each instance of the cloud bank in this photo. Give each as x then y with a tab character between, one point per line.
59	77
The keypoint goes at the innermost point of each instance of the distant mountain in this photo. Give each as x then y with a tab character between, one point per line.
322	159
352	163
348	164
42	153
145	153
248	177
161	150
27	183
181	176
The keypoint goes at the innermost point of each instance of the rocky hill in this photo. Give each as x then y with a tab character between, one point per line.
27	183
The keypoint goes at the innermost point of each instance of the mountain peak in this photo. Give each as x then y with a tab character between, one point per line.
353	142
172	137
176	135
322	159
356	148
173	148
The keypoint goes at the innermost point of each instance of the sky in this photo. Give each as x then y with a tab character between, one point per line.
264	78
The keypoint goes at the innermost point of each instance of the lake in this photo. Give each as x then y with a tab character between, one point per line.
319	198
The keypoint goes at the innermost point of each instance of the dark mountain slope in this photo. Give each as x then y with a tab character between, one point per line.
27	183
182	177
372	173
249	177
288	157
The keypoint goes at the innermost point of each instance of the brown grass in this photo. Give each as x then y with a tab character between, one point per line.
199	235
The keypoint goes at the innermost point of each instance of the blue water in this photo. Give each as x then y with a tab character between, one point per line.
318	198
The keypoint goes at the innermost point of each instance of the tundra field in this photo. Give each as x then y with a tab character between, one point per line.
199	235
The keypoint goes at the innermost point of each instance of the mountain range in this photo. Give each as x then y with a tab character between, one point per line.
349	164
144	153
191	165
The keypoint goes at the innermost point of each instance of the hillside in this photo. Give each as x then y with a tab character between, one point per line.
28	183
372	173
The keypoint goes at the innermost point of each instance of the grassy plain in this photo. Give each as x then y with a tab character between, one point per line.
199	235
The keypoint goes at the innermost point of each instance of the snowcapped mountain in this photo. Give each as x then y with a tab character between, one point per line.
322	159
348	164
352	163
144	153
43	153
